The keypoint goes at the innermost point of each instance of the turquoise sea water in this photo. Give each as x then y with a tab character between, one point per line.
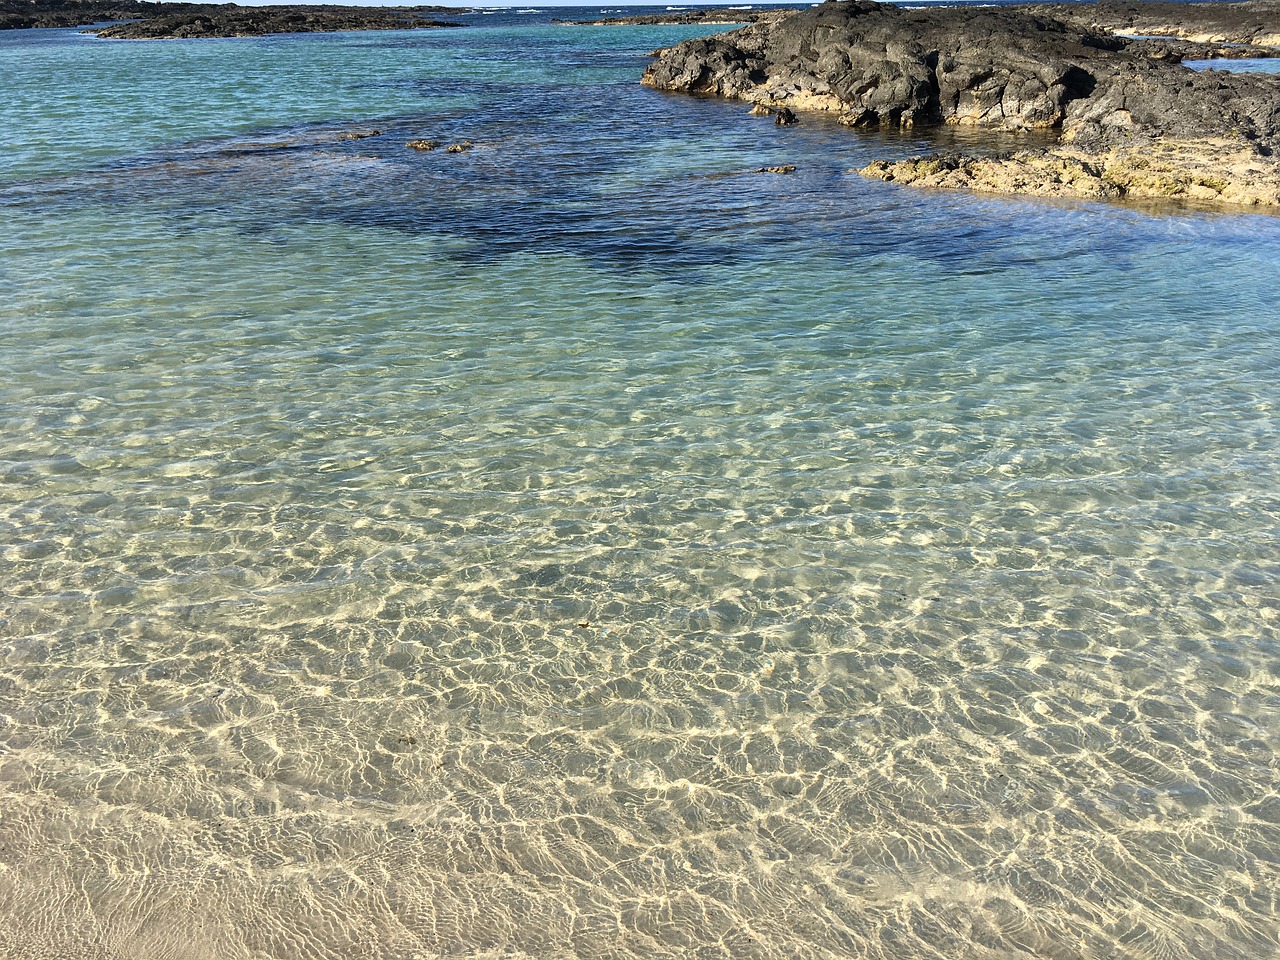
1248	65
584	546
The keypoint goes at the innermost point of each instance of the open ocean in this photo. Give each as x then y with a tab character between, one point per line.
587	547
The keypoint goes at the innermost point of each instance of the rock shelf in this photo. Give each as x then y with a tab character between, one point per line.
1129	120
231	20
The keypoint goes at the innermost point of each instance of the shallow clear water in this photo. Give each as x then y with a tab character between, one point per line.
1246	65
584	546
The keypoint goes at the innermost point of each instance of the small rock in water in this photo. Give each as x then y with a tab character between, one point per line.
358	134
783	168
760	110
462	147
784	117
859	118
422	144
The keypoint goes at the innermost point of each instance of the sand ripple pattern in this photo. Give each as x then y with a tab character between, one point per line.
391	571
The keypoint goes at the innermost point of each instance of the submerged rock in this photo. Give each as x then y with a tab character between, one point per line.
1127	123
425	145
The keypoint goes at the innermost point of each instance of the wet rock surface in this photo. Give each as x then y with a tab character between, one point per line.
1130	120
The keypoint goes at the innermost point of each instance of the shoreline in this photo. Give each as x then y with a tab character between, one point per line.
1106	80
141	20
711	16
230	21
1130	121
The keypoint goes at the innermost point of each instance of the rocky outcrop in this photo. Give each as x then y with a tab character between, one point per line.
1204	172
1127	123
1256	23
1174	50
23	14
716	16
230	20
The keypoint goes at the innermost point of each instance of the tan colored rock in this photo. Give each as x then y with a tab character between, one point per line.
1210	171
1040	174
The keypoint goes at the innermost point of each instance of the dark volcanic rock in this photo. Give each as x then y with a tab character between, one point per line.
1256	22
1131	119
231	20
1172	50
876	63
22	14
714	16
